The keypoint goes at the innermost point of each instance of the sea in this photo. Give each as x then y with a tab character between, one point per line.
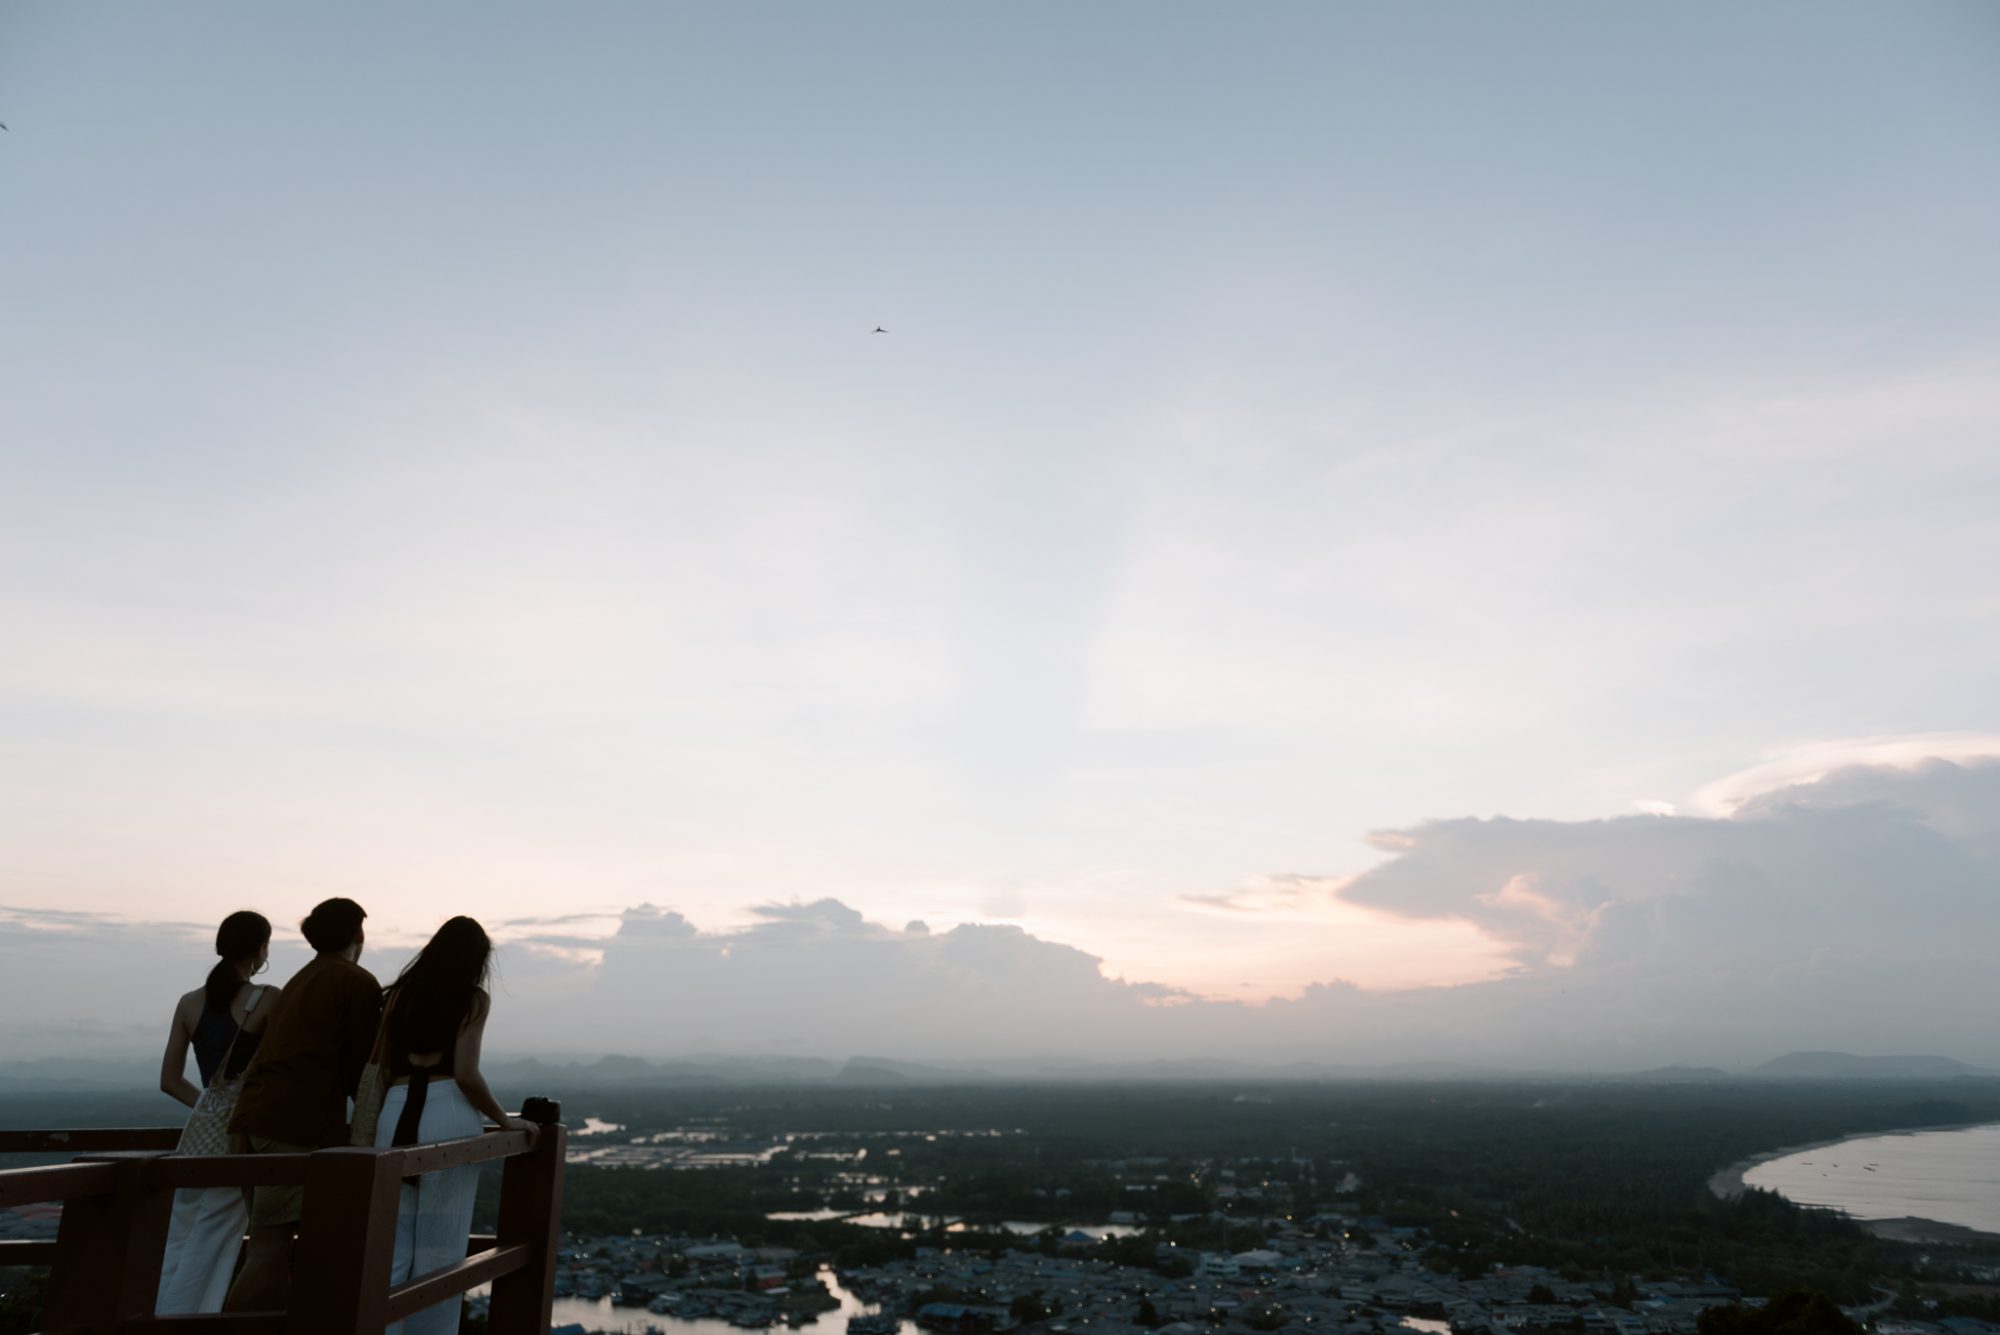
1951	1177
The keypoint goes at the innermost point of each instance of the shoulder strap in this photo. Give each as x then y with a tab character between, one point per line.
379	1054
222	1067
229	1053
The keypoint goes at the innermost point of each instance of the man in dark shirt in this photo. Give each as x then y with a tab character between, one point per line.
294	1097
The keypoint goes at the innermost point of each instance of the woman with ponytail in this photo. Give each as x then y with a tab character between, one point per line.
432	1026
221	1021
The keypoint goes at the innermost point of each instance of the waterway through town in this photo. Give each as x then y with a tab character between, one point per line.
601	1314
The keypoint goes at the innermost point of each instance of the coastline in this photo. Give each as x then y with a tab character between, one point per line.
1727	1184
1928	1232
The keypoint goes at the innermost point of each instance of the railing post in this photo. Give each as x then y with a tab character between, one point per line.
340	1272
109	1249
530	1214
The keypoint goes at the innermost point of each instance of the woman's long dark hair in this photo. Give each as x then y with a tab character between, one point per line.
433	993
241	935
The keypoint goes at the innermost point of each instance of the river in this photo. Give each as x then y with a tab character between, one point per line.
599	1314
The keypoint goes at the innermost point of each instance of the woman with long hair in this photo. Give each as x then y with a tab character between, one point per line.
433	1020
223	1018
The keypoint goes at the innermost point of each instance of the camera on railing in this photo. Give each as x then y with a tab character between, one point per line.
541	1111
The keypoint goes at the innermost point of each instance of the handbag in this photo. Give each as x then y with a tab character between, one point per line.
207	1129
374	1087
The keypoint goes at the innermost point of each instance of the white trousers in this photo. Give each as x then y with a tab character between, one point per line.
434	1217
202	1243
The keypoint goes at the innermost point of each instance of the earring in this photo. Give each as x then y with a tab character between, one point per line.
262	965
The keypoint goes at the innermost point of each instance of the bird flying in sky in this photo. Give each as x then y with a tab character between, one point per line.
879	330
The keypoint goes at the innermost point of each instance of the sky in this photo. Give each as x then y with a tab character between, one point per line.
1347	495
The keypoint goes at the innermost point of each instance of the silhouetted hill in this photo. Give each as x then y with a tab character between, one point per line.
622	1068
553	1073
1848	1066
885	1070
75	1073
623	1071
861	1071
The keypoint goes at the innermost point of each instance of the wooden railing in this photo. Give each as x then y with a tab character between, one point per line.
117	1198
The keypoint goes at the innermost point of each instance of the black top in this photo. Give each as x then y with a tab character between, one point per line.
414	1027
213	1033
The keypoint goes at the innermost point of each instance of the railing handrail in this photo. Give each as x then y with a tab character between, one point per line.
118	1195
86	1140
54	1182
191	1170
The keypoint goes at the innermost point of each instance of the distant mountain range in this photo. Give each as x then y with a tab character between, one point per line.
1847	1066
530	1074
884	1071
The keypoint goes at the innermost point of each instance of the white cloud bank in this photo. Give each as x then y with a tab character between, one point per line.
1855	911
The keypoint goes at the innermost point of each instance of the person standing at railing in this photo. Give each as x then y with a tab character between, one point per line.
432	1027
295	1094
220	1019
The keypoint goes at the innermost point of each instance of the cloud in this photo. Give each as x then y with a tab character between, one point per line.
1572	926
1852	910
86	984
1265	895
818	977
1805	765
825	915
1849	911
36	919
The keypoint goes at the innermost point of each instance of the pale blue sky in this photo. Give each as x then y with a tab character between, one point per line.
443	458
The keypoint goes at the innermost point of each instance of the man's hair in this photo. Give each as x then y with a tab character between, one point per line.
333	924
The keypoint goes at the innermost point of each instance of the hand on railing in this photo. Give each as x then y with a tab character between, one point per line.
536	1113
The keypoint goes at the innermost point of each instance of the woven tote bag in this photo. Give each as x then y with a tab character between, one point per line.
207	1129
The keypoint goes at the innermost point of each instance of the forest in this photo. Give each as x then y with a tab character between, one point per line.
1587	1177
1590	1178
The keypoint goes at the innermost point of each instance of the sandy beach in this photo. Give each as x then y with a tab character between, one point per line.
1729	1183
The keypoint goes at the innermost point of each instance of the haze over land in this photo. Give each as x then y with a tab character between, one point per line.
1369	538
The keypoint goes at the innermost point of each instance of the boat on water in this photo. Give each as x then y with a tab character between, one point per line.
750	1320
